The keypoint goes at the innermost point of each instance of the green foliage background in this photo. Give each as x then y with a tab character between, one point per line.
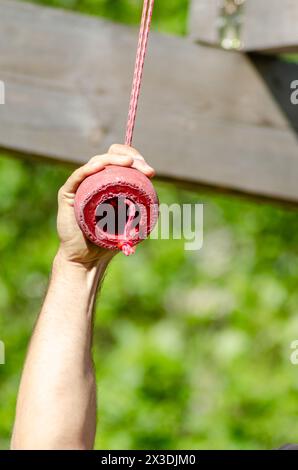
192	349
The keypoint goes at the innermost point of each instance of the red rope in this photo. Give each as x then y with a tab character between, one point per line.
139	66
125	243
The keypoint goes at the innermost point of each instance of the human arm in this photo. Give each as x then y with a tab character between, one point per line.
56	406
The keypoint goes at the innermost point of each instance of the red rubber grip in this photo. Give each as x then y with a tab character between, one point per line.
116	182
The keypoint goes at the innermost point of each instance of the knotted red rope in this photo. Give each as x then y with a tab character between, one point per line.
115	182
139	67
125	244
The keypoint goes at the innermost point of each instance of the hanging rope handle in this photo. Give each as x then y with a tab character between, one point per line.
139	67
125	243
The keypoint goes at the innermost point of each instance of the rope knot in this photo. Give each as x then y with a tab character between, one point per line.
126	247
126	244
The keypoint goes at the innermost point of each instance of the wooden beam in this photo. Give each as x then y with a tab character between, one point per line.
267	25
206	117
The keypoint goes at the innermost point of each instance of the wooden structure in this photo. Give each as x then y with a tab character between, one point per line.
266	25
207	117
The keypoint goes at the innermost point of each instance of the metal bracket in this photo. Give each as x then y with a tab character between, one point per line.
230	24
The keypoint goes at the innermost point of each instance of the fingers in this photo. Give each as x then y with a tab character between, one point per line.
118	149
97	163
141	165
139	162
110	159
121	155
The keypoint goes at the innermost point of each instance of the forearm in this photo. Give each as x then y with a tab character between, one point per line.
57	398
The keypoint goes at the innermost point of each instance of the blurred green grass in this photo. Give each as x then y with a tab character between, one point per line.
191	348
169	16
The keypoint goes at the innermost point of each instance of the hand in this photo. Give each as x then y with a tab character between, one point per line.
74	246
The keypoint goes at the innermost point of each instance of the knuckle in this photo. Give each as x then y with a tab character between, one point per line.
139	157
80	173
60	193
105	160
96	158
76	173
113	148
134	151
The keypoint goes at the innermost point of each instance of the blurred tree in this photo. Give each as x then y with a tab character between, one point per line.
168	16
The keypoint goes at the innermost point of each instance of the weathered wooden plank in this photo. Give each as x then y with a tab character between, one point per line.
267	25
206	117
